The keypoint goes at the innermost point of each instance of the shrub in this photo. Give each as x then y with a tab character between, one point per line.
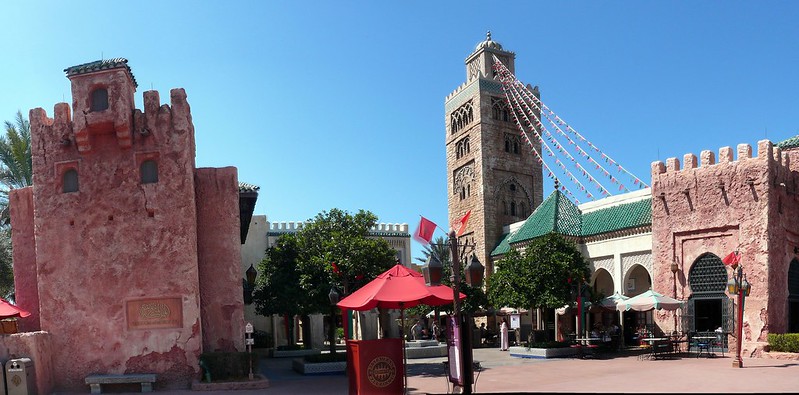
339	333
290	347
228	365
788	342
263	339
327	357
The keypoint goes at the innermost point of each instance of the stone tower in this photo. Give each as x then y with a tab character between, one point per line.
124	251
490	169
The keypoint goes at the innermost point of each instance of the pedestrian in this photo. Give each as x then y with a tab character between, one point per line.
503	330
416	331
436	331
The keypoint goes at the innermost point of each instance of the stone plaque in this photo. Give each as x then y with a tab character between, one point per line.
155	313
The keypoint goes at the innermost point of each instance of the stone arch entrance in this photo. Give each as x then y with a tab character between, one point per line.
708	308
603	282
793	296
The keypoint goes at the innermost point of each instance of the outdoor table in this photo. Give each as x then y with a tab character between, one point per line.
588	343
658	346
706	341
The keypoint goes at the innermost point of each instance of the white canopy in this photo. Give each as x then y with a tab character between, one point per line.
649	300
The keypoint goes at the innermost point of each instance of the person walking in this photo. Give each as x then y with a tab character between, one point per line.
503	331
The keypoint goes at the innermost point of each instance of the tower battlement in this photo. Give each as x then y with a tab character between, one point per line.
292	226
707	158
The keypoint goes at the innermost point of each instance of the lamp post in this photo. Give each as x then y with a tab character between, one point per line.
737	285
334	297
674	269
249	284
463	338
578	288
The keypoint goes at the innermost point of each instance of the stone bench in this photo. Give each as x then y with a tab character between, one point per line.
145	379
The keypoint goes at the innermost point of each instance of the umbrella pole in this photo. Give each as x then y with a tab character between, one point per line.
404	358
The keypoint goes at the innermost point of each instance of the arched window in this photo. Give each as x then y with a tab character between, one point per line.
69	181
149	172
513	208
468	190
99	99
504	207
461	117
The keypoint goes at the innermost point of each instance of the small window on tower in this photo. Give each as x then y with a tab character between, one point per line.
70	181
99	99
149	172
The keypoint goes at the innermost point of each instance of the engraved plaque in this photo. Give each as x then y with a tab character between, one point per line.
155	313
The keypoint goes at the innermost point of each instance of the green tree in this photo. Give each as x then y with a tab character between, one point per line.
332	251
277	290
337	253
541	277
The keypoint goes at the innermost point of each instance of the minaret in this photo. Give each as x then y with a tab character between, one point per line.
490	168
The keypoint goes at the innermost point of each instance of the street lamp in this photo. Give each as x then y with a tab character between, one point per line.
249	284
433	272
674	269
737	285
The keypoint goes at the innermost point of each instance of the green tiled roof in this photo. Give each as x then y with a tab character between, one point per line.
558	214
792	142
555	214
503	246
98	65
623	216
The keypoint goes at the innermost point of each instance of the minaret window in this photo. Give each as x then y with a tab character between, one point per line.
499	109
99	99
149	172
512	143
462	148
462	180
461	117
69	182
513	208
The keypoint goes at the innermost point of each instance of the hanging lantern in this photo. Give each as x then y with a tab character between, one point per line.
475	271
746	287
433	270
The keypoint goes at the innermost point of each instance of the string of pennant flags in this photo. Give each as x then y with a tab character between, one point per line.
528	111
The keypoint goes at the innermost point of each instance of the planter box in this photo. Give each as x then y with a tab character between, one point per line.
318	368
541	353
292	353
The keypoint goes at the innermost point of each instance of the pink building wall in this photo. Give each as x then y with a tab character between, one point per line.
117	264
24	254
721	207
219	241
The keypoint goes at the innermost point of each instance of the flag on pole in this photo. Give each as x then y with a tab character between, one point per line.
732	259
461	224
424	232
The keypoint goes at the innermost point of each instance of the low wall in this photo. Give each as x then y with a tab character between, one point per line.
37	347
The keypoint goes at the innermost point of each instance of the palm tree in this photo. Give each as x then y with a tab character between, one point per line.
438	248
16	170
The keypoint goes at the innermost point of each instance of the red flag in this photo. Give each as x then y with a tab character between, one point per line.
424	233
335	268
732	259
461	224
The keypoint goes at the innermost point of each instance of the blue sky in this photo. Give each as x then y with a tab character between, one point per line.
340	104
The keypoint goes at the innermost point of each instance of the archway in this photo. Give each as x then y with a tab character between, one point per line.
708	308
793	296
636	281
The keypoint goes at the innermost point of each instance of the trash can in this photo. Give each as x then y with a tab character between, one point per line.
20	377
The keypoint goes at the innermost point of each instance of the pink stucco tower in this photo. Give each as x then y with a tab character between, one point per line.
125	252
708	208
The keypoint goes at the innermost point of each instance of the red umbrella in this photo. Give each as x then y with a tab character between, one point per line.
8	310
397	288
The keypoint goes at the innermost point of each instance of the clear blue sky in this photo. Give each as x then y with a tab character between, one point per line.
340	104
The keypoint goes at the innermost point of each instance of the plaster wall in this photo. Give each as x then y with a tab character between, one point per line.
219	254
26	292
719	208
117	241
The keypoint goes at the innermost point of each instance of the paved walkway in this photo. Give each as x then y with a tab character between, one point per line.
503	374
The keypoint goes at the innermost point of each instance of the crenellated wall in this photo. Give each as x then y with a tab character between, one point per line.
710	206
110	244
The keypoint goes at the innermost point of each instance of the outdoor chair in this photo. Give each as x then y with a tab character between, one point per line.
718	342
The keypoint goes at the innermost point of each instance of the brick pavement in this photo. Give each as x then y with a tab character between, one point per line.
504	374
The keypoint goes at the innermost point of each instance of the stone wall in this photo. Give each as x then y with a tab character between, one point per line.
219	250
722	207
